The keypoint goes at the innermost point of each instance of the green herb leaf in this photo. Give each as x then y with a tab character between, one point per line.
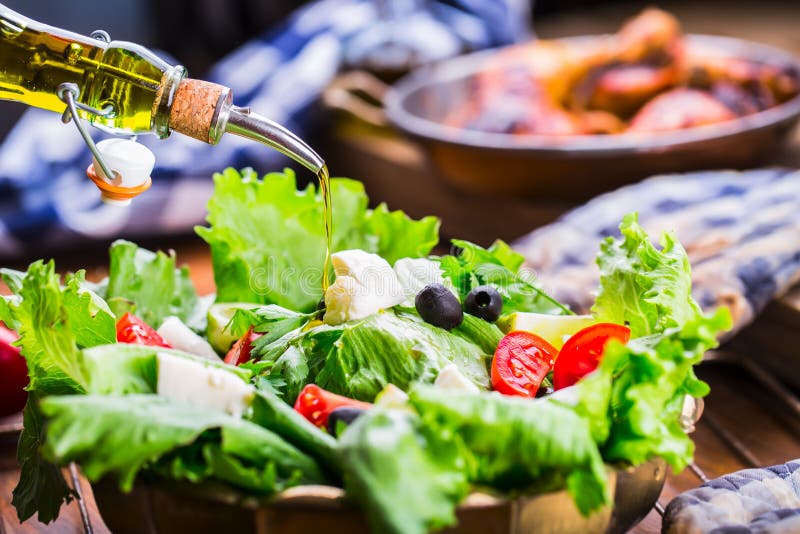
498	266
41	488
272	321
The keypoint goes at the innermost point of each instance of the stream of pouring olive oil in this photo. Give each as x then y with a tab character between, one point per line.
325	188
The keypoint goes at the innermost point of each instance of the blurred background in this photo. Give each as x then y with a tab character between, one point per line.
200	32
293	51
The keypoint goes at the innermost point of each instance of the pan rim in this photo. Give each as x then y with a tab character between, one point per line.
585	145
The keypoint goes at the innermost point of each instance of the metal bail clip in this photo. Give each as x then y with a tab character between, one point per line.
110	190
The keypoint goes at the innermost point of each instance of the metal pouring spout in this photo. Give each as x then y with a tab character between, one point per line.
245	123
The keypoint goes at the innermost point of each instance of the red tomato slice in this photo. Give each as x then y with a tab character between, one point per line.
240	352
316	404
520	363
581	354
131	329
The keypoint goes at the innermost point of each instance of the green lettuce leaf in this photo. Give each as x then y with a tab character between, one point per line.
150	286
13	280
392	235
271	412
652	376
6	315
518	443
454	440
406	479
105	435
648	289
498	266
268	243
398	348
54	322
358	359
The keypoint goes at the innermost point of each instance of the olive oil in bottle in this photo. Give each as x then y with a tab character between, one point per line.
129	81
129	90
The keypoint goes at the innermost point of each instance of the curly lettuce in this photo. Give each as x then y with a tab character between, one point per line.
268	242
151	286
650	290
54	322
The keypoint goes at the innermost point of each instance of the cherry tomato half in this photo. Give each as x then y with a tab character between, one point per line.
520	363
316	404
13	374
240	352
581	354
131	329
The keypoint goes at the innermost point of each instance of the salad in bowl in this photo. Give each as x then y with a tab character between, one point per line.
413	380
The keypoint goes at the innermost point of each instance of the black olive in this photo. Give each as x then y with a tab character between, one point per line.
544	391
439	307
343	414
484	302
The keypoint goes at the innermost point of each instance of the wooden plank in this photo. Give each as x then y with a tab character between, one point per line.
69	522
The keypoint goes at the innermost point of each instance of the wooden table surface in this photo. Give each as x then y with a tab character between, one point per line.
744	424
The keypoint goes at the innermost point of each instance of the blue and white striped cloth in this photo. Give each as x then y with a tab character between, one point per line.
47	203
740	230
751	501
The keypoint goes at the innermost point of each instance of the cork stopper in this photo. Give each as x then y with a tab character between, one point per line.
196	109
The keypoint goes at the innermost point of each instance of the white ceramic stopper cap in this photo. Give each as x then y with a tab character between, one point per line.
133	161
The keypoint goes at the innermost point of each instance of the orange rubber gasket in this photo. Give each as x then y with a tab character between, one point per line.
117	192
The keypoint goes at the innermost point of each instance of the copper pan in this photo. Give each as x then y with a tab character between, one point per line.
572	168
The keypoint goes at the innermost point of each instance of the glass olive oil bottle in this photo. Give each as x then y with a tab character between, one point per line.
129	80
140	92
136	91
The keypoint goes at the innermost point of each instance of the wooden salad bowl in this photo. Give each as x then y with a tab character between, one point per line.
170	508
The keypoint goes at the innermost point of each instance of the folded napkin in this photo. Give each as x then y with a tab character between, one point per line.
740	229
751	501
46	201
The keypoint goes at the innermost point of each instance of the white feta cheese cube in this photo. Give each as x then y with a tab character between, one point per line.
199	384
392	397
451	378
181	337
365	284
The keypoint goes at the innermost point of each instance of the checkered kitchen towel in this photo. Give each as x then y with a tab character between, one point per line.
740	229
46	201
752	501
